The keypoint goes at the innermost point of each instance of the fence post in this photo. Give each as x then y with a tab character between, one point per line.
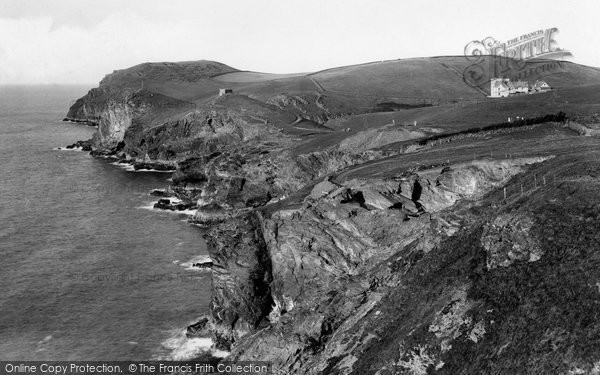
544	180
504	193
521	189
535	181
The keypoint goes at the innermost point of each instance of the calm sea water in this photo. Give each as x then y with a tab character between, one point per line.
87	270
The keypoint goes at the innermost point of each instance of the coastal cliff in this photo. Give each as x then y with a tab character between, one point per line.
365	277
345	242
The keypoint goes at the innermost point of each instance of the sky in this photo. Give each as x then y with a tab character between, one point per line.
80	41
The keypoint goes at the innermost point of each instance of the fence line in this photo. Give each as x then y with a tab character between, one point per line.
520	186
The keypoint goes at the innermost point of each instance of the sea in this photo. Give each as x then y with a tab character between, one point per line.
88	270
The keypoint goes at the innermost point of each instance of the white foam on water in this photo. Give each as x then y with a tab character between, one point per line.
198	225
130	168
175	200
46	339
149	206
219	353
181	348
127	167
189	265
185	212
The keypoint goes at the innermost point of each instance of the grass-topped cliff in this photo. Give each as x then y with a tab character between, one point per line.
383	218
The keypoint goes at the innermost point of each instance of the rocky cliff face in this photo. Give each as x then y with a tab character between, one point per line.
407	276
341	232
362	252
115	111
143	94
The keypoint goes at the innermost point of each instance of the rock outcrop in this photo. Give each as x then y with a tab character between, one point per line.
242	276
367	286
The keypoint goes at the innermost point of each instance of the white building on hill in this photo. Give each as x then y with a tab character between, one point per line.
541	86
503	87
518	87
499	87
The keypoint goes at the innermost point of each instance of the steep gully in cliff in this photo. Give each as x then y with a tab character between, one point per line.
395	275
272	267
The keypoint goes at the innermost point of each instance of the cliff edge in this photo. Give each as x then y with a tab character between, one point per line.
364	220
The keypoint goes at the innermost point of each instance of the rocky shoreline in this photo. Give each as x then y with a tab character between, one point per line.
305	272
344	249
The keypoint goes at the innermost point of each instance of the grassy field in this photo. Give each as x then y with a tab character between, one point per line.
253	77
558	74
325	108
574	102
407	81
422	78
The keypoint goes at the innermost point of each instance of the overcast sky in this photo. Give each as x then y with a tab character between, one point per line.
79	41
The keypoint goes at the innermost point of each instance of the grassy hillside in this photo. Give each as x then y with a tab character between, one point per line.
422	77
186	71
351	89
451	78
188	80
252	77
354	104
558	74
574	102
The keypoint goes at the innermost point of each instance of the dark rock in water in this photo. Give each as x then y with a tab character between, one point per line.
197	329
182	206
80	121
186	193
103	153
84	145
207	264
166	204
161	193
115	152
163	204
